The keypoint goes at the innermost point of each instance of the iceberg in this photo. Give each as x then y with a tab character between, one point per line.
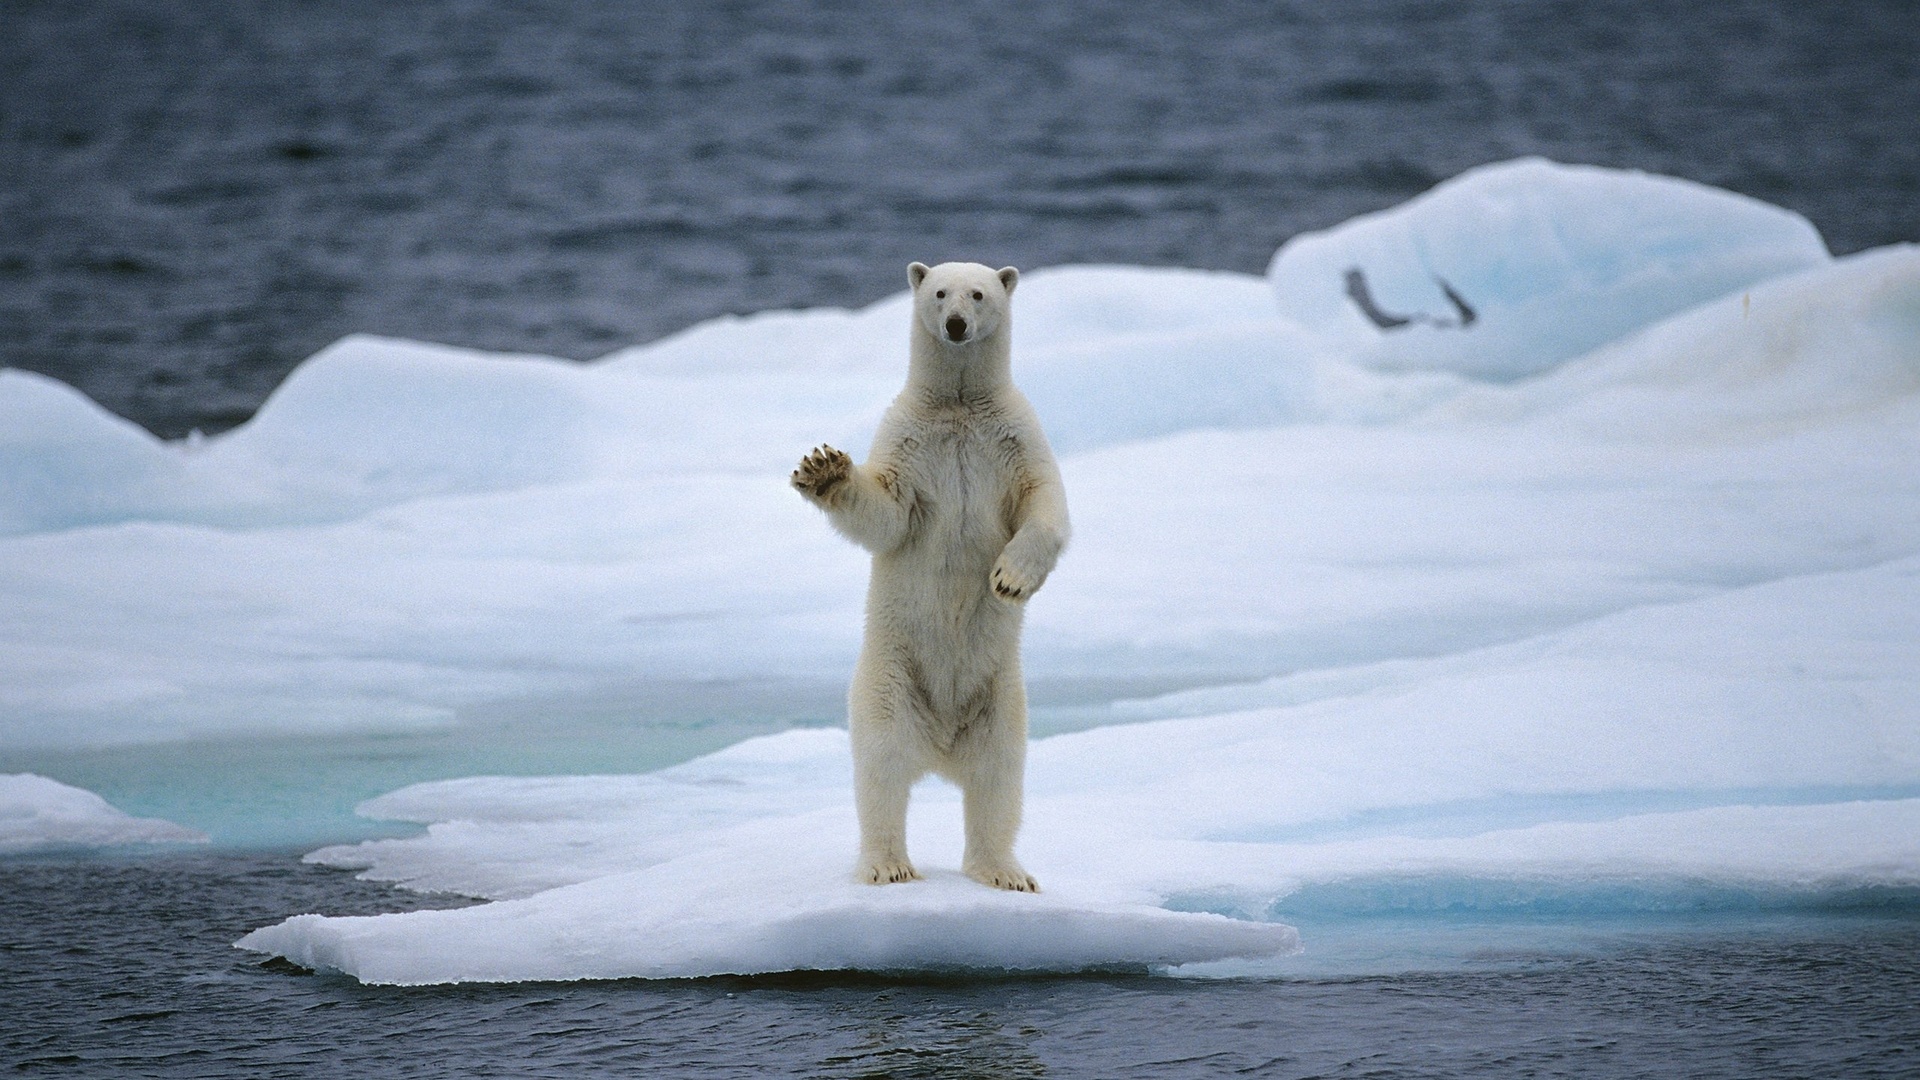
38	814
1509	269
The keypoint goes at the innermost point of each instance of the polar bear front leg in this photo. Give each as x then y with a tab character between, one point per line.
1024	563
864	504
1035	547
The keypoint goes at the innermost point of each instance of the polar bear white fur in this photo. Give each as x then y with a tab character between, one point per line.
960	503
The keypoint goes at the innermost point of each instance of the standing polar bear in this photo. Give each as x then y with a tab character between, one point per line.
961	504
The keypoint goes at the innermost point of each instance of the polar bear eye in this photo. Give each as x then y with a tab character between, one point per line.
941	295
978	295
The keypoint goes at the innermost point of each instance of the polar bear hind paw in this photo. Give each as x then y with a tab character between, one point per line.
821	471
888	872
1005	876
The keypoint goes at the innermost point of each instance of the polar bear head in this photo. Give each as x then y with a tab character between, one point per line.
961	303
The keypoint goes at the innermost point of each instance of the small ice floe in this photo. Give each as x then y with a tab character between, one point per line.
38	814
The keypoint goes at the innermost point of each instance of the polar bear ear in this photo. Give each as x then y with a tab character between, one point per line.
916	273
1009	277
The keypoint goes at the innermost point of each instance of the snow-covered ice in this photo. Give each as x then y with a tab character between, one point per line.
37	814
1609	599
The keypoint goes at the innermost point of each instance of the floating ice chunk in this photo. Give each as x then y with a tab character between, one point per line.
776	896
1509	269
379	419
1483	513
37	813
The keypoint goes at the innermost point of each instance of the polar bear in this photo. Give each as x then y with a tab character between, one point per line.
960	503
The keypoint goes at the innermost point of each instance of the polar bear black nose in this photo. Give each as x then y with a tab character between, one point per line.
956	328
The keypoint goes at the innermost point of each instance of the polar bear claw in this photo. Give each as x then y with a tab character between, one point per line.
1012	581
1008	876
821	471
888	872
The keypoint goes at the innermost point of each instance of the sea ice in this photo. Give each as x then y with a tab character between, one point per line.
38	814
1603	598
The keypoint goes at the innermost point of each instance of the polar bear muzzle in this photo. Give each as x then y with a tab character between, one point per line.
956	328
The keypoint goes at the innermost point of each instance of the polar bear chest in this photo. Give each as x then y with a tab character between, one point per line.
963	480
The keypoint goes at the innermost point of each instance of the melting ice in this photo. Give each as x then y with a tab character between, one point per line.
1607	598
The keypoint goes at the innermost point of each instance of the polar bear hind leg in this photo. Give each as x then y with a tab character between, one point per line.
886	763
990	767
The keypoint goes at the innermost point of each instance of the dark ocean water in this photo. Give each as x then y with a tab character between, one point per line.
194	197
118	967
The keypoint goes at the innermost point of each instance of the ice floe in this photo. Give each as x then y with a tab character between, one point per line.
38	814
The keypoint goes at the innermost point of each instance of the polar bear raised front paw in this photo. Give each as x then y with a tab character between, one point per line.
1012	580
821	471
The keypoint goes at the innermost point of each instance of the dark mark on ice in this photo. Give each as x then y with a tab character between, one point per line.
1357	288
1363	299
1460	305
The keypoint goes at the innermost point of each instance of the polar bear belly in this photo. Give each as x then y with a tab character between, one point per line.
953	641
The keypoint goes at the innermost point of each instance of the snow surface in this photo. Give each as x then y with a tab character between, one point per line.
37	814
1637	631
